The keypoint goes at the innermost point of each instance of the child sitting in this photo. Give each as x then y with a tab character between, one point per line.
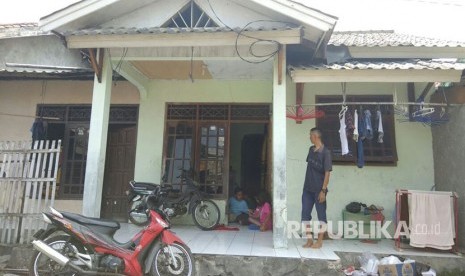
262	217
239	212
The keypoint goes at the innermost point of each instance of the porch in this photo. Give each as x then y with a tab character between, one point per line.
249	243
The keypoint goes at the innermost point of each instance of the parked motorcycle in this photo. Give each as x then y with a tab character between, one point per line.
78	245
190	200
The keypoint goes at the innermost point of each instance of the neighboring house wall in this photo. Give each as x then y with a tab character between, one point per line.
371	184
449	157
22	98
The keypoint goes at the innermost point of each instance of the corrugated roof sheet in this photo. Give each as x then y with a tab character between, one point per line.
415	64
158	30
387	38
40	71
20	30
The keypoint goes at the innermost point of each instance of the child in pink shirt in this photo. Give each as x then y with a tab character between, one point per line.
262	217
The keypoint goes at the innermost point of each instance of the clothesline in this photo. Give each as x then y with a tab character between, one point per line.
29	116
379	103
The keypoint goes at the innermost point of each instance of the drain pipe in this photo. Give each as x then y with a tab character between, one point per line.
318	45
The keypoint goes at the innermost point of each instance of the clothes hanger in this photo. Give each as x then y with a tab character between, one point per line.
343	111
423	111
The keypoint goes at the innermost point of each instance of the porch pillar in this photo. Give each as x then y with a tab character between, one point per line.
279	151
96	151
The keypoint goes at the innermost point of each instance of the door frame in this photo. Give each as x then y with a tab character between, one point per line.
228	121
225	169
125	126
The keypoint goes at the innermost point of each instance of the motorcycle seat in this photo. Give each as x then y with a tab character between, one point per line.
144	186
107	225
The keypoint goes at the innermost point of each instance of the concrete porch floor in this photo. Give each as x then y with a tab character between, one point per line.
250	243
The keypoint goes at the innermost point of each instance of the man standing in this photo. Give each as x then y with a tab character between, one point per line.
319	166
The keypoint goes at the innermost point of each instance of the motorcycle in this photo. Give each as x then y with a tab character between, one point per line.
191	200
78	245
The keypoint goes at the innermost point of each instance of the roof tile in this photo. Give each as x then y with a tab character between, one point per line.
387	38
416	64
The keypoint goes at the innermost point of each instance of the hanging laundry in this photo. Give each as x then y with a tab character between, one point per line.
39	130
350	127
342	131
355	136
369	128
380	130
361	130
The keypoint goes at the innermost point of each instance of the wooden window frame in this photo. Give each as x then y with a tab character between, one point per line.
388	124
66	119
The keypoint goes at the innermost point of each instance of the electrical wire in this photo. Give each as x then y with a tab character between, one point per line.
117	68
240	33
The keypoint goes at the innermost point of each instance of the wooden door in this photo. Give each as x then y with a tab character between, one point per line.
119	170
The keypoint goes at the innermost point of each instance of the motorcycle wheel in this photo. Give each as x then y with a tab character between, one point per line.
41	264
163	264
137	214
206	214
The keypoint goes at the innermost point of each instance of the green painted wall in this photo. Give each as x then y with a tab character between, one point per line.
152	114
371	184
375	185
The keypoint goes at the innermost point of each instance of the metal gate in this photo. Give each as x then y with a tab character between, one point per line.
28	174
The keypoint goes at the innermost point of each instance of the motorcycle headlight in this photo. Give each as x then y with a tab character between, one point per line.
163	223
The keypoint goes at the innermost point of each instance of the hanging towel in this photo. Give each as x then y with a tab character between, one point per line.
343	134
355	136
369	128
431	220
380	130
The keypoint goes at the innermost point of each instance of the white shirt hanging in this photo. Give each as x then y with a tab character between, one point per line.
355	136
380	127
343	133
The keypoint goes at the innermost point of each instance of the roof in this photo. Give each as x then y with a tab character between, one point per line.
153	13
386	38
43	70
41	73
409	64
20	30
158	30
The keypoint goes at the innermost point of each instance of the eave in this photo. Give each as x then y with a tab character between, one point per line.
406	52
190	39
72	12
374	75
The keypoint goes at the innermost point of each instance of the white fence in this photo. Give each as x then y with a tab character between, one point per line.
28	174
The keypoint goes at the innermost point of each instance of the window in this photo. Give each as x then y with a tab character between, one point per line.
71	125
374	153
191	16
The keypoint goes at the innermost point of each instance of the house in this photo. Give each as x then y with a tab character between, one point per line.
205	85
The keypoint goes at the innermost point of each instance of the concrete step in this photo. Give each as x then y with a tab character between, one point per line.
219	265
